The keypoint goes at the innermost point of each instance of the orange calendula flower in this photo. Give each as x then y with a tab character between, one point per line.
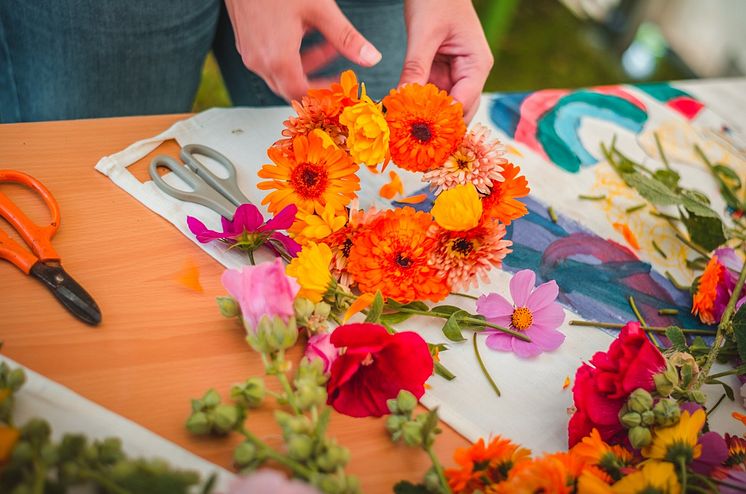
317	225
368	133
392	253
501	203
426	126
311	176
713	291
466	256
736	451
594	451
546	474
481	467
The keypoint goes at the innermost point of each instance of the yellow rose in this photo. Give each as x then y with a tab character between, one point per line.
458	209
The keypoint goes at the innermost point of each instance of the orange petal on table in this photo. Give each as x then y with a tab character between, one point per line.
627	234
566	384
189	276
739	416
360	303
414	199
391	189
512	150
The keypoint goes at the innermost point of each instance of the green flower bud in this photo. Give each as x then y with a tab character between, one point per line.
110	450
245	454
412	433
226	417
69	471
631	419
303	309
49	454
322	309
334	457
394	423
648	418
406	402
198	423
16	378
228	306
211	398
393	405
331	484
667	413
22	452
300	447
309	395
36	431
250	394
640	437
662	384
697	396
432	481
639	401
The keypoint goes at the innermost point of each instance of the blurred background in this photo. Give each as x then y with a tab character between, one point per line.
539	44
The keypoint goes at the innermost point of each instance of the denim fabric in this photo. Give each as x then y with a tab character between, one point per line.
64	59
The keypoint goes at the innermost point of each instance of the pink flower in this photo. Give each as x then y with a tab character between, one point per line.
533	311
262	290
268	481
249	231
320	347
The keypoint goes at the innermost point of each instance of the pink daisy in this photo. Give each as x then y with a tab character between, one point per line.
477	160
534	311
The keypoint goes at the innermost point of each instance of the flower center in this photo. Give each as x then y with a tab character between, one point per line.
461	247
421	131
309	180
346	246
403	260
522	318
367	360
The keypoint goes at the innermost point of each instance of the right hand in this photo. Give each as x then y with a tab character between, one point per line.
269	34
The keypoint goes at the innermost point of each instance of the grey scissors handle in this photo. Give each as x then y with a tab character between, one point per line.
228	187
202	193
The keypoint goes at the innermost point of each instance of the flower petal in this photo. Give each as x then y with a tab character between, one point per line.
543	295
521	285
290	245
546	339
282	220
494	305
202	233
550	317
499	341
247	217
525	349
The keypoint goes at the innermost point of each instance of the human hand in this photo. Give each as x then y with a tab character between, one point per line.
269	34
446	46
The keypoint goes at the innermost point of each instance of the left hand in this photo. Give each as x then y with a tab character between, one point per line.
446	46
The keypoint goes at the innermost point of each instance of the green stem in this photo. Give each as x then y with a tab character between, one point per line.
716	405
40	477
472	320
283	460
675	283
251	257
639	317
464	295
737	371
102	481
660	151
723	328
696	248
283	379
439	470
682	466
483	367
654	329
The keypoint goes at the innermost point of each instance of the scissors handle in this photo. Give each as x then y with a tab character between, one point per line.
202	193
38	238
228	187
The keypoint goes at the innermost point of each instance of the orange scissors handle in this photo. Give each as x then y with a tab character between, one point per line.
38	238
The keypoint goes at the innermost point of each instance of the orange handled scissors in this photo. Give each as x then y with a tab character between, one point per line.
42	261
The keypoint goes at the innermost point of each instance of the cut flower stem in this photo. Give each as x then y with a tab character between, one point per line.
654	329
471	320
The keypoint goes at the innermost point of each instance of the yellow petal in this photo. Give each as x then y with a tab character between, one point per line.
458	209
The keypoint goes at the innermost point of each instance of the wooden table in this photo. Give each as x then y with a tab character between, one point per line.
160	343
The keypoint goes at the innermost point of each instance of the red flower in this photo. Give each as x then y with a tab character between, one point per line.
602	388
374	367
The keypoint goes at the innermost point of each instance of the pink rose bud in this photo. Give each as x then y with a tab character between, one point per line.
320	347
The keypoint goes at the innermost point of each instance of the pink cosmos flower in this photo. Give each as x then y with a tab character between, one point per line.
262	290
320	347
268	481
249	231
533	312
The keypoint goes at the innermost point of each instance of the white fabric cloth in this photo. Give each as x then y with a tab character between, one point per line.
533	407
68	412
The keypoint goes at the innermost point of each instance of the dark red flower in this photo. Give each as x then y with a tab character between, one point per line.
374	366
602	387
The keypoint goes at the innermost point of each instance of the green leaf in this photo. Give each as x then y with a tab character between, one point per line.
739	331
695	202
394	317
472	325
406	487
443	372
445	309
416	305
376	308
652	190
669	178
705	231
676	335
728	390
452	328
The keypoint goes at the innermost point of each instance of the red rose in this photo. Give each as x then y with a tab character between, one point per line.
602	388
374	367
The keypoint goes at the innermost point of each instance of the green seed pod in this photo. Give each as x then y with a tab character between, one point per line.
198	423
249	394
663	385
667	413
406	402
640	401
640	437
394	423
303	309
245	454
412	433
648	418
631	419
300	447
211	398
16	378
228	306
225	418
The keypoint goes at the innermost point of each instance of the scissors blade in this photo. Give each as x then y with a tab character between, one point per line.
68	292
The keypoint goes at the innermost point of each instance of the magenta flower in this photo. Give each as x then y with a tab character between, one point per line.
266	481
248	230
262	290
320	347
533	312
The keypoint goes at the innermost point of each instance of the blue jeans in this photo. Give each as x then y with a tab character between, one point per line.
65	59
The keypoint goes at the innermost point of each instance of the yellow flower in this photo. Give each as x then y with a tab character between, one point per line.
318	225
368	136
678	442
458	209
311	271
655	476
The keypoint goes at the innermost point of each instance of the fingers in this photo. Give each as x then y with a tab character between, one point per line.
317	56
287	77
342	35
418	61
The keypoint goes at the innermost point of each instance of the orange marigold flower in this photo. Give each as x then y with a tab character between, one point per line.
501	203
594	451
546	474
392	254
311	176
713	292
463	257
481	467
426	126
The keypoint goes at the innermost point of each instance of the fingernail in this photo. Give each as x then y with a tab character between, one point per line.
369	55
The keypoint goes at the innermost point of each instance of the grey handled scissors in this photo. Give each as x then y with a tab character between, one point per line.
222	195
